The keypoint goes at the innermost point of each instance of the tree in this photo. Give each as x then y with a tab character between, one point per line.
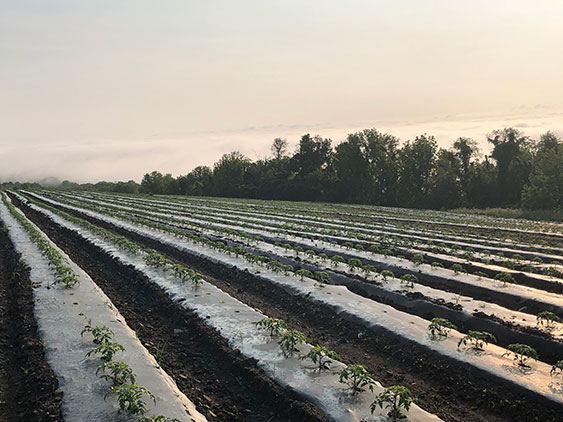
446	189
482	185
197	182
545	187
314	154
513	155
352	170
279	148
157	183
465	149
366	167
229	174
313	175
417	161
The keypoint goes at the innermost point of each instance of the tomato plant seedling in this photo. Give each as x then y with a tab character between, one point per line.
321	356
130	398
440	327
396	398
302	273
386	274
322	277
505	278
409	280
357	378
101	334
336	259
158	419
106	350
457	268
548	318
418	259
522	353
477	339
557	369
119	373
275	327
354	263
289	341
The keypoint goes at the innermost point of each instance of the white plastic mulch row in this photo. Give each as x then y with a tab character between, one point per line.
371	314
302	214
524	292
237	323
385	213
260	224
392	284
304	229
300	219
61	315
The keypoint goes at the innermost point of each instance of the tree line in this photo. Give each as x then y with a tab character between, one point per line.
370	167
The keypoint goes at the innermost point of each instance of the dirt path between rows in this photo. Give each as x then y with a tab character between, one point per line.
28	387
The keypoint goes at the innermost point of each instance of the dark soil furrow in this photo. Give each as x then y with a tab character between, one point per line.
28	387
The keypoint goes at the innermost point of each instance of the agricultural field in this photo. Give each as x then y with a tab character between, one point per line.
167	308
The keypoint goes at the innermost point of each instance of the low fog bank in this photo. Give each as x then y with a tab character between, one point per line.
54	161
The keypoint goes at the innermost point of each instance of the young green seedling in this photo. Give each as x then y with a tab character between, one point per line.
310	253
548	318
440	327
101	334
336	259
396	398
477	340
354	263
119	373
357	378
289	341
368	268
321	356
522	353
557	369
504	277
409	280
302	273
275	327
418	259
322	277
106	350
457	268
130	398
386	274
156	260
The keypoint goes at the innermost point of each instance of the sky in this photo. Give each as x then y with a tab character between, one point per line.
113	89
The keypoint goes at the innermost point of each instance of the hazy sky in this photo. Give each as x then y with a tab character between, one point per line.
93	90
